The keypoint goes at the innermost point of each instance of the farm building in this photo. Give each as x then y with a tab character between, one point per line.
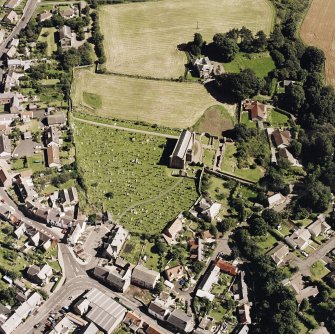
183	151
204	67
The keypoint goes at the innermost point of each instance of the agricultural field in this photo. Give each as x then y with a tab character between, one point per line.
215	120
260	63
171	104
146	35
313	32
126	174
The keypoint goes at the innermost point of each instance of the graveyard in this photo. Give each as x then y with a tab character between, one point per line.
126	174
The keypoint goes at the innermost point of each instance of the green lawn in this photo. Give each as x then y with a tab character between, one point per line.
208	157
319	270
266	242
132	249
277	119
35	163
92	100
260	63
49	82
48	35
245	120
131	166
217	191
229	165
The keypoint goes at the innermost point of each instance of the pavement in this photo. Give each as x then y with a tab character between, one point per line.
28	11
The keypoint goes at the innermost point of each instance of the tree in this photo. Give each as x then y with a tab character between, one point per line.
160	247
304	304
239	86
272	217
197	266
247	40
109	195
226	48
277	39
317	196
213	230
258	226
226	224
294	99
260	42
313	59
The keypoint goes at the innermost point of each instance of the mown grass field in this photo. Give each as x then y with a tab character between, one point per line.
171	104
260	63
145	197
142	38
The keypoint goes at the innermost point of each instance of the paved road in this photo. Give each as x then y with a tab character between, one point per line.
126	129
304	265
28	11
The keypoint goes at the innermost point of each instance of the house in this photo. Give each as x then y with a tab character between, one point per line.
207	209
11	4
104	311
318	227
279	253
133	321
174	273
330	278
119	275
40	276
158	310
180	321
196	249
113	245
285	154
257	110
210	278
183	151
2	35
75	232
299	239
276	199
172	231
68	13
5	146
226	267
145	278
24	188
53	159
243	314
21	313
82	306
5	179
100	273
44	16
56	119
11	17
68	197
204	67
281	139
66	37
52	136
240	289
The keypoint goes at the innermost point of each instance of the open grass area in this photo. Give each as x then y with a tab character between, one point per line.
245	120
260	63
215	120
277	119
48	35
172	104
126	174
266	242
229	165
318	270
143	37
132	249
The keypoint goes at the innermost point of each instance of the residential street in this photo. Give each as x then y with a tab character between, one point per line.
28	11
304	265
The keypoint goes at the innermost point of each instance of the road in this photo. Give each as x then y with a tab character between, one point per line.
28	11
151	133
304	265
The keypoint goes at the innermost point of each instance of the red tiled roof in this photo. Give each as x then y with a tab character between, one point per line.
226	267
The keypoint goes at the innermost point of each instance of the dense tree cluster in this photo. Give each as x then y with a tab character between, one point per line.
97	38
275	307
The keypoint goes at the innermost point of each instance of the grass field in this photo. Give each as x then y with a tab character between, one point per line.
278	119
145	197
246	120
49	39
229	164
260	63
319	270
320	15
215	120
172	104
143	37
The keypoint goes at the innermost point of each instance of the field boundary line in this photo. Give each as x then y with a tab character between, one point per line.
154	199
116	127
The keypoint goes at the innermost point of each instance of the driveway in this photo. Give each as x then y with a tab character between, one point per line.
25	148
